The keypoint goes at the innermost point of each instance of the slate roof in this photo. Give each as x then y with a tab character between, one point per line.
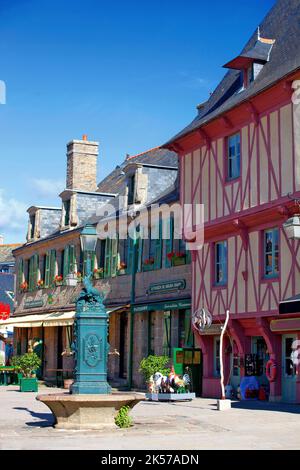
115	182
6	285
282	23
6	255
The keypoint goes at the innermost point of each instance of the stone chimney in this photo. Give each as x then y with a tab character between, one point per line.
1	240
82	158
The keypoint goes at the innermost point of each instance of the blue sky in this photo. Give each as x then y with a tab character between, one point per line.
128	74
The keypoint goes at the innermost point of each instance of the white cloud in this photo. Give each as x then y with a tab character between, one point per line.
13	214
48	187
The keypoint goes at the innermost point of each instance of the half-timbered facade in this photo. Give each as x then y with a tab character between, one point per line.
240	157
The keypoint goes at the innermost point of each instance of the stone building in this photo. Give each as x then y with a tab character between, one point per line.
149	307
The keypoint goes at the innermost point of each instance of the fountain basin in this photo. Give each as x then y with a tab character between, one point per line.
88	411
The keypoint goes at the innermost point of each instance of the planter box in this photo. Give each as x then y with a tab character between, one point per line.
170	396
71	281
28	385
178	261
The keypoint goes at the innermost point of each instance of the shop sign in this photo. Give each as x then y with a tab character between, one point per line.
33	303
4	311
168	286
172	305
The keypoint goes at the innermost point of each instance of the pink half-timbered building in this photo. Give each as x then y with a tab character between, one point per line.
240	157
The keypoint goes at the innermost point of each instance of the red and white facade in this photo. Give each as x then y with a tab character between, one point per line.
239	211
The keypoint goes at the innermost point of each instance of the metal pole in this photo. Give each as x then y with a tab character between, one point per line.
132	302
221	354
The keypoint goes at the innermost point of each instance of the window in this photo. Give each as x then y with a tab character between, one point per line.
233	156
32	226
221	263
185	333
33	272
217	367
67	205
131	188
271	253
167	334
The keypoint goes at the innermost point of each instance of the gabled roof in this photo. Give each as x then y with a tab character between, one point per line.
282	25
6	255
115	181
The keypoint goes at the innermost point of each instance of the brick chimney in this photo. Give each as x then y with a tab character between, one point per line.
82	164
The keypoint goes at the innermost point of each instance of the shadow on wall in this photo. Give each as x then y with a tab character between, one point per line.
47	419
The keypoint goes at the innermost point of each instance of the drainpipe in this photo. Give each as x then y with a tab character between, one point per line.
132	302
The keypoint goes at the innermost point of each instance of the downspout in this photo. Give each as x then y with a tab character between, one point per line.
132	302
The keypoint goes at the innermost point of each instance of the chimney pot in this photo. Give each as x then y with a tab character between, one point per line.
84	137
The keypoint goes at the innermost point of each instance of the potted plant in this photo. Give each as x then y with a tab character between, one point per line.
148	263
122	267
71	280
58	280
40	284
79	276
98	273
24	286
152	364
27	364
179	258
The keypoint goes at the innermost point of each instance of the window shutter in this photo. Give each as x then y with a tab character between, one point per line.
35	270
169	242
140	251
31	273
130	256
47	269
52	265
158	247
66	261
107	263
20	271
72	259
114	256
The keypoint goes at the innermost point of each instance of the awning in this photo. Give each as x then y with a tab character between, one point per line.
290	305
118	309
59	319
46	319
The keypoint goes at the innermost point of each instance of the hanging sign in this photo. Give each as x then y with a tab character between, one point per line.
201	320
167	286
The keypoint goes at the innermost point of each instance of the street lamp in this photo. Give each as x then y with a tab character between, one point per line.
91	326
292	227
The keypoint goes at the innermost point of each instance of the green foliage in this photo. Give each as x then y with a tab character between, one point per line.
123	420
26	364
152	364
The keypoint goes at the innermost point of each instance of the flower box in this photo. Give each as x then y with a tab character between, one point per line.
28	384
178	261
71	280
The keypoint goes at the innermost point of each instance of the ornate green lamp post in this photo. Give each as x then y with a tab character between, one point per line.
91	346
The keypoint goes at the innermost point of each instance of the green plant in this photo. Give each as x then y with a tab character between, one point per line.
123	420
152	364
27	364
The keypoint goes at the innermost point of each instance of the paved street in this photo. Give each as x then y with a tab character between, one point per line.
26	424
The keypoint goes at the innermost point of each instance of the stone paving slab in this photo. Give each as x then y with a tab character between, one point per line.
27	424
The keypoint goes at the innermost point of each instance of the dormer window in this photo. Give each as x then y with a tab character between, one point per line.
67	207
251	63
32	227
131	189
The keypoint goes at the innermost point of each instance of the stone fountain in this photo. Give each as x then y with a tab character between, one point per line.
90	404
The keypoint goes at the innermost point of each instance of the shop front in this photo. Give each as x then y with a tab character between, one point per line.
261	359
164	328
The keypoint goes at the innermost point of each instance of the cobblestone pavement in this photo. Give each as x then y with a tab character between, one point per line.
27	424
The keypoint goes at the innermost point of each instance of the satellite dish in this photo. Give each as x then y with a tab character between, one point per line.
201	320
